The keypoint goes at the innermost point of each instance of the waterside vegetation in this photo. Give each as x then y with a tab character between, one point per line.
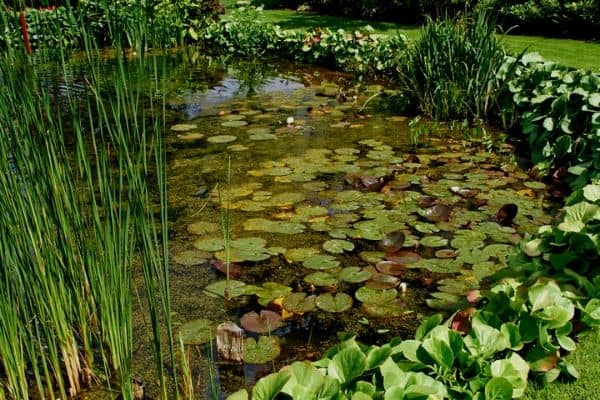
76	229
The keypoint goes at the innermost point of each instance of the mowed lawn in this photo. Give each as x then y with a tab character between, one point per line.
574	53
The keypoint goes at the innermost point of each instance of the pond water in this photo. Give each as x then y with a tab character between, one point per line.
341	217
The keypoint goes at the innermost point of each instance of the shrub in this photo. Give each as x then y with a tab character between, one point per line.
450	72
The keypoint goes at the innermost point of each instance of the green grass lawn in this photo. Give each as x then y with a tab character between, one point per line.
587	361
575	53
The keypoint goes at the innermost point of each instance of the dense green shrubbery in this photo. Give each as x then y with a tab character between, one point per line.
450	72
164	22
558	111
579	18
360	51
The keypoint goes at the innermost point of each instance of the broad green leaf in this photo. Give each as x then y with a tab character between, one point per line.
592	193
241	394
440	351
542	295
347	365
269	386
409	349
377	355
498	389
427	325
392	374
515	370
484	341
566	342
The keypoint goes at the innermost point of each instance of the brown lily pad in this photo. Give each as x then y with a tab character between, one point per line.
403	257
381	281
463	192
266	322
427	201
391	268
446	253
235	270
437	213
392	242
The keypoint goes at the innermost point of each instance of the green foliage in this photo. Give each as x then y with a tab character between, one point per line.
450	72
579	18
558	111
569	251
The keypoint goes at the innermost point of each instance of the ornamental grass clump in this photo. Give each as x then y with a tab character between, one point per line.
450	72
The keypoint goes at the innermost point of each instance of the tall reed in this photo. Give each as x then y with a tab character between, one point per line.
450	71
75	221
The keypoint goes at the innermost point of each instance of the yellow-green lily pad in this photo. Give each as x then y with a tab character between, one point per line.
339	302
203	227
209	244
368	295
337	246
222	138
321	262
198	331
354	275
266	349
299	303
191	257
219	288
321	278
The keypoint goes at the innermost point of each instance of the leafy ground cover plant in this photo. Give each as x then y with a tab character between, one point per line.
558	111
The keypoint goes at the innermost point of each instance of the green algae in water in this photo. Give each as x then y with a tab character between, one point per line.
198	331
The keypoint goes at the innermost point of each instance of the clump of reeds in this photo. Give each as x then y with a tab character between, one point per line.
75	221
450	71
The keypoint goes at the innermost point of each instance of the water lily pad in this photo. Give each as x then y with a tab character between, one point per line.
534	185
368	295
266	349
392	242
190	137
321	278
209	244
391	268
437	213
391	309
203	227
270	291
433	241
300	254
265	322
380	281
183	127
218	289
403	257
321	262
464	192
191	257
339	302
233	117
198	331
222	138
242	255
237	147
354	275
265	225
337	246
446	253
235	270
372	257
299	303
262	136
234	124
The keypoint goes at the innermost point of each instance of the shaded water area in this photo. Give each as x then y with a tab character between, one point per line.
343	219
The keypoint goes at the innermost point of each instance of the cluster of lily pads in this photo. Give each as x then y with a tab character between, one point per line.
382	221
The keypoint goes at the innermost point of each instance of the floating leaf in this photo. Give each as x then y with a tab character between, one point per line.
191	257
337	246
354	275
339	302
392	242
234	124
270	291
368	295
380	281
433	241
300	254
203	227
391	268
222	138
218	289
198	331
209	244
391	309
321	278
299	303
321	262
506	214
446	253
466	193
234	269
437	213
266	349
265	322
403	257
265	225
183	127
372	257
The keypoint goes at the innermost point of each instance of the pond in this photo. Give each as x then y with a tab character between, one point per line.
336	214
